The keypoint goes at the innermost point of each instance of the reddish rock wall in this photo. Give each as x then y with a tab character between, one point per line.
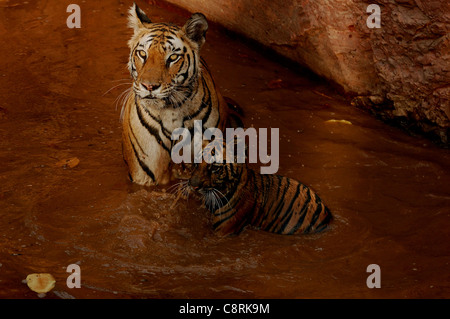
399	71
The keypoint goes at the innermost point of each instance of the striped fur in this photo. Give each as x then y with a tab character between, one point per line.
172	87
237	196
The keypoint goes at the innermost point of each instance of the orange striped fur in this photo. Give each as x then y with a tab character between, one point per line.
237	196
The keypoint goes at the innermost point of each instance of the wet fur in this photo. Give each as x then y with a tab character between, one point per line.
237	196
186	92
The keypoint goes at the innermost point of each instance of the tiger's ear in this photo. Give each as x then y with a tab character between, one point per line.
195	28
240	148
137	18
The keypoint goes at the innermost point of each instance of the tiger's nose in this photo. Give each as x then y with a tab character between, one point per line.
195	182
150	86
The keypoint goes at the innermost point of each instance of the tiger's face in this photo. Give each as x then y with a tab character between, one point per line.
220	176
164	58
216	182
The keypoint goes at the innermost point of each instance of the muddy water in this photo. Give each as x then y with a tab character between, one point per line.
60	88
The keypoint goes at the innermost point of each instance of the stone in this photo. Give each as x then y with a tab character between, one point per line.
405	62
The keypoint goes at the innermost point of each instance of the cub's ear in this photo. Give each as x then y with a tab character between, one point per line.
240	149
195	28
137	18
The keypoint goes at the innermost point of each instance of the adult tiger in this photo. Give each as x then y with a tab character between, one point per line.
172	87
237	196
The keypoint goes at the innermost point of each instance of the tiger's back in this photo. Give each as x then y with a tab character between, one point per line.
294	208
237	196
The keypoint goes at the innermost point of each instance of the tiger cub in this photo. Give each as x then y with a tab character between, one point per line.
238	196
172	87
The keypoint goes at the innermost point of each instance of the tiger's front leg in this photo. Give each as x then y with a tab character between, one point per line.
149	166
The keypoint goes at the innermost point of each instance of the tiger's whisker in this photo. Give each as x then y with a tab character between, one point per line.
128	83
120	80
186	189
223	196
124	103
218	200
176	187
119	97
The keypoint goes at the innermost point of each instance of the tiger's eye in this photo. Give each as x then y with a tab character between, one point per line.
215	168
142	53
173	57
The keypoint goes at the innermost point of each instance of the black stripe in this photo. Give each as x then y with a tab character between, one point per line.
220	222
230	206
248	219
160	24
218	120
232	168
257	216
142	164
203	62
165	28
324	223
266	181
187	95
194	60
303	212
153	131
279	206
133	67
185	74
228	173
208	103
230	195
178	104
137	142
267	211
202	104
315	216
207	114
166	132
162	30
288	211
245	219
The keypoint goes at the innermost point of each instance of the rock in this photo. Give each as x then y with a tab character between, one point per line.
70	162
405	62
40	283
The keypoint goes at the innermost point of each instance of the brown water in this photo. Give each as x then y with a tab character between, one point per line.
389	192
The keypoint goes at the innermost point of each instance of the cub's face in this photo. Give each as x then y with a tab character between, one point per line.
208	176
164	58
216	174
216	183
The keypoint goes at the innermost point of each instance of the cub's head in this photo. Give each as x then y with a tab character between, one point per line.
164	58
214	177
